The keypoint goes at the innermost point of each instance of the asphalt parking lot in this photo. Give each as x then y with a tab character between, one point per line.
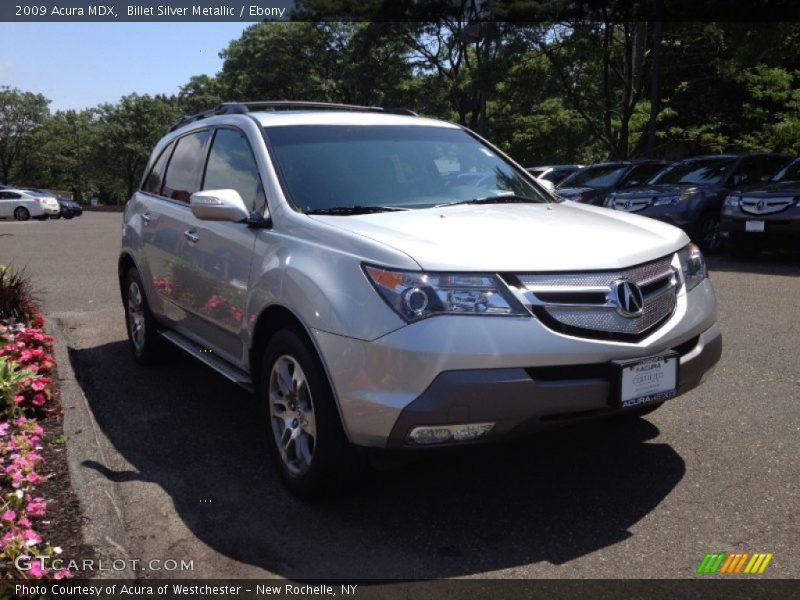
716	470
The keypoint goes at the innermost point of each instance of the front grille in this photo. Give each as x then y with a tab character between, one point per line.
632	205
583	304
765	206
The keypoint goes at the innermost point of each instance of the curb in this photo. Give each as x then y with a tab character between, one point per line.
102	526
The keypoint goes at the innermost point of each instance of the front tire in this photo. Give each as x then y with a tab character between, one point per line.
21	213
708	237
147	346
304	433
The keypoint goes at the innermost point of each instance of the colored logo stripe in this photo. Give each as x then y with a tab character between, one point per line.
735	562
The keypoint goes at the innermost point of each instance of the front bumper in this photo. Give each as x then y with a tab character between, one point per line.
458	369
780	229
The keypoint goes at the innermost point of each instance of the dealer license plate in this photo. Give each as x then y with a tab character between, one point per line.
754	226
647	380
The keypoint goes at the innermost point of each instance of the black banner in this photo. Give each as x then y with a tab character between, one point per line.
510	11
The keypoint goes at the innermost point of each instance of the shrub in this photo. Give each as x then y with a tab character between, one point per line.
17	301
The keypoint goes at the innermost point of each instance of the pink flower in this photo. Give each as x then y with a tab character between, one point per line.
19	399
36	569
33	478
21	422
9	516
64	573
39	400
31	536
4	427
37	385
37	507
24	522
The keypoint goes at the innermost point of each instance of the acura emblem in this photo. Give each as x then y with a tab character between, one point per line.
628	298
762	204
627	204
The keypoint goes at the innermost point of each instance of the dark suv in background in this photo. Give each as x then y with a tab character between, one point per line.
691	192
766	215
592	184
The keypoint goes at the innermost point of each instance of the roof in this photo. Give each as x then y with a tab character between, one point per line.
335	117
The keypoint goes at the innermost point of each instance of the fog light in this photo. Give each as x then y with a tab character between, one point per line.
439	434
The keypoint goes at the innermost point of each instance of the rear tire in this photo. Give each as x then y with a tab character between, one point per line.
21	213
147	346
301	420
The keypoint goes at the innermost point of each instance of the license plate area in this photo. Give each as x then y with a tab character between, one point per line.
644	381
754	226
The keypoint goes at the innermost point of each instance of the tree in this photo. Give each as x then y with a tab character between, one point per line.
126	135
20	114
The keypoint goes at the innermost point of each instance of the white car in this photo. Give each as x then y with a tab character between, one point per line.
24	204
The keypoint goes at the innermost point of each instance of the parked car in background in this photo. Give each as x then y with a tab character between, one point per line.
22	204
592	184
69	208
375	299
765	215
553	174
690	193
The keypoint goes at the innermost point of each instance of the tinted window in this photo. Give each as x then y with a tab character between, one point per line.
183	173
9	196
410	166
704	171
231	165
790	173
156	177
757	169
643	173
597	176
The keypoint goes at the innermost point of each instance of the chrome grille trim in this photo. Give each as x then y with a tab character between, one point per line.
585	307
765	206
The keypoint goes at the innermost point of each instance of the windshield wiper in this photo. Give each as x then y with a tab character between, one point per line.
501	199
352	210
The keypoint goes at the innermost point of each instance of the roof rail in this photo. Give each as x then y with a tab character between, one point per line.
239	108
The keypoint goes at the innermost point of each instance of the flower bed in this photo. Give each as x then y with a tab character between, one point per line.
28	399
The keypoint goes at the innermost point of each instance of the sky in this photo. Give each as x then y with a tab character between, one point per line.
78	65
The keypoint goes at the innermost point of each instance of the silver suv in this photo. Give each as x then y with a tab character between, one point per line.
385	280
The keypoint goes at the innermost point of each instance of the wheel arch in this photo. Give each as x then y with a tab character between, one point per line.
270	321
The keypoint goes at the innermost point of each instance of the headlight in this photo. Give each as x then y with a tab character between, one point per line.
415	295
732	201
672	200
693	266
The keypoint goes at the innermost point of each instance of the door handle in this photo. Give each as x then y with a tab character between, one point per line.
191	235
147	216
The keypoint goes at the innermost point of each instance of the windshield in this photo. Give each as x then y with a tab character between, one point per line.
40	194
706	171
332	166
597	176
790	173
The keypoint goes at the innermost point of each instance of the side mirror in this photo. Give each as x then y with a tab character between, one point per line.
547	184
739	178
219	205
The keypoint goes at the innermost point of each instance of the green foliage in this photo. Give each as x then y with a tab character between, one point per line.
17	301
544	92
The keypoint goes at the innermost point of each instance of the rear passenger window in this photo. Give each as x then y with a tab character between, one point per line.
154	180
231	165
183	173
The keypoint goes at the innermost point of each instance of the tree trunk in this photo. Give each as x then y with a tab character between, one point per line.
655	84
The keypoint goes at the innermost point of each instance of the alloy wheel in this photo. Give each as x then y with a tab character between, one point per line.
292	414
136	316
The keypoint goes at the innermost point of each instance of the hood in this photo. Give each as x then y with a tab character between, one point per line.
572	192
517	237
654	190
782	188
